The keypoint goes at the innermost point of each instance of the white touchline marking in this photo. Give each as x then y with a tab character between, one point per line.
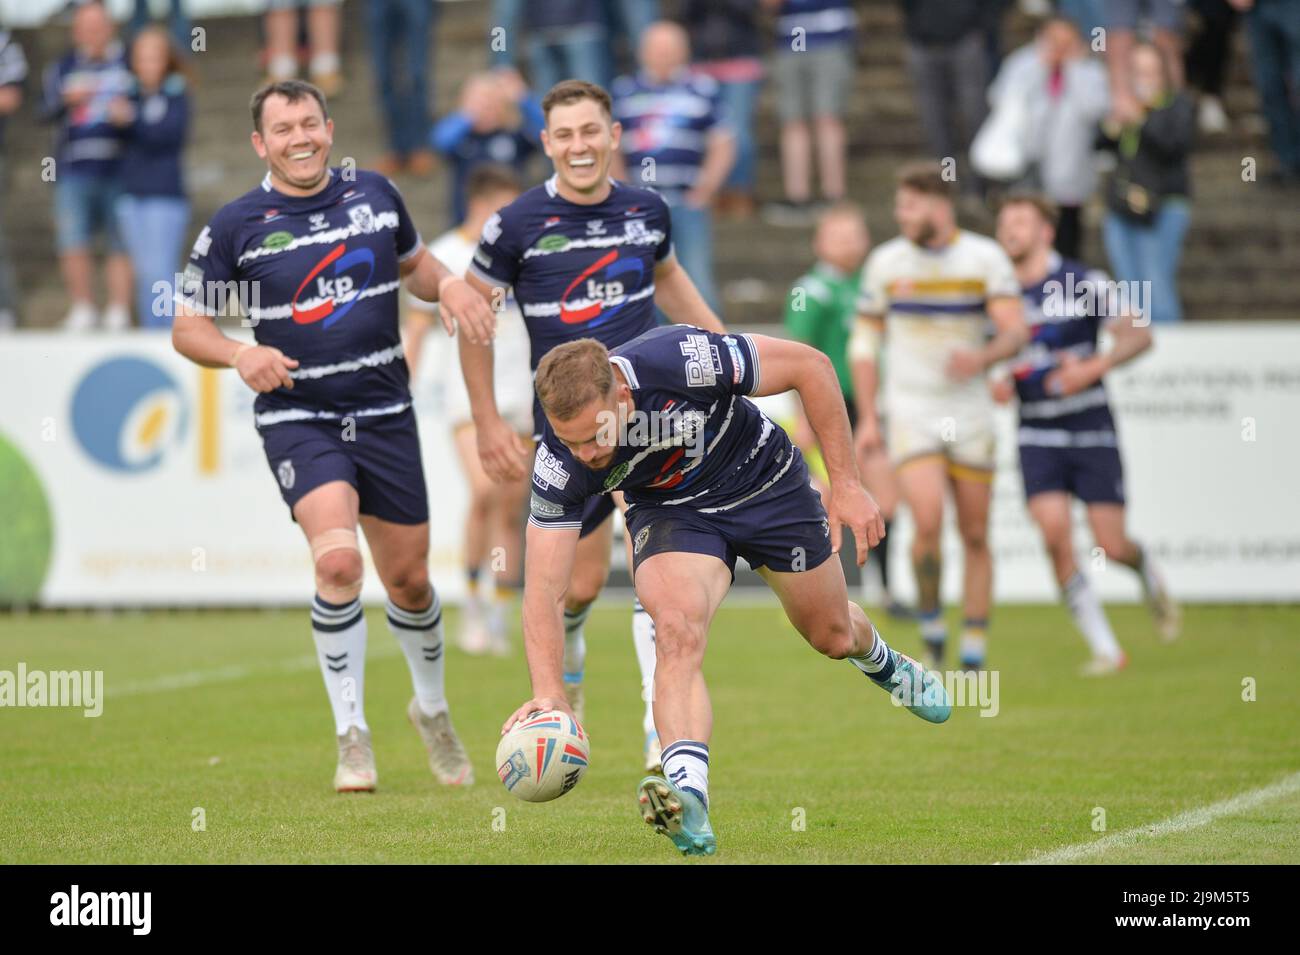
1182	822
227	674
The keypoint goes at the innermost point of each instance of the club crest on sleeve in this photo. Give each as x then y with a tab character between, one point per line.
737	359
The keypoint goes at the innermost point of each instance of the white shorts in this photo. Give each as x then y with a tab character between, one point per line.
960	431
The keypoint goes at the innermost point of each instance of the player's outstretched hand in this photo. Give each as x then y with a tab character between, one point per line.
852	505
460	305
501	451
265	368
538	704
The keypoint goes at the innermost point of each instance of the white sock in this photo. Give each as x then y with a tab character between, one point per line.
643	640
420	634
933	627
322	63
1090	618
496	616
282	67
575	644
877	660
340	634
686	764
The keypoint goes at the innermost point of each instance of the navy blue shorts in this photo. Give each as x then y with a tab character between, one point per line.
1094	475
382	463
784	528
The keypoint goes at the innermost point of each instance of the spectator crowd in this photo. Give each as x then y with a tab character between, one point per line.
1102	107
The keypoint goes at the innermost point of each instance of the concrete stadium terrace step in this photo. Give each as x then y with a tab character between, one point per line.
1238	260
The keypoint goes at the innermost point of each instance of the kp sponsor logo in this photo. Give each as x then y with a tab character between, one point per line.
338	288
607	280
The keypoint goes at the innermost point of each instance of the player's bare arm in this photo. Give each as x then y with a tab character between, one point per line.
262	367
1074	374
459	305
502	452
864	345
789	365
680	300
548	564
1010	335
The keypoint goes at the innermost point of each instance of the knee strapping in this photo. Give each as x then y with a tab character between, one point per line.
336	538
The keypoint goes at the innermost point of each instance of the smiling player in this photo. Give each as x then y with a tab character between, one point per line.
317	256
587	257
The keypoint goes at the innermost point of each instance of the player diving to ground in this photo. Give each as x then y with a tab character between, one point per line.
708	478
1067	439
587	257
318	255
929	296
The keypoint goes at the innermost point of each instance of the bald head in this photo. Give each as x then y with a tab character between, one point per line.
665	49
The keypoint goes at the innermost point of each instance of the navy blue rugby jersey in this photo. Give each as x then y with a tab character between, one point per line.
578	271
709	448
1065	313
325	272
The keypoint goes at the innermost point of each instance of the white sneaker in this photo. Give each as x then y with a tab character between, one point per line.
80	318
1104	666
356	770
1210	116
117	318
447	758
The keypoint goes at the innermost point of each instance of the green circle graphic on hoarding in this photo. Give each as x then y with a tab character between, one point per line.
26	529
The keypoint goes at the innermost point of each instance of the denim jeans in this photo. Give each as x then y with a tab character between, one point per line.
1150	253
179	22
84	208
1087	15
581	59
399	32
1274	30
739	100
153	228
693	246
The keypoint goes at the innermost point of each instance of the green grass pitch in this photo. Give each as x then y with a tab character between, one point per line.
224	712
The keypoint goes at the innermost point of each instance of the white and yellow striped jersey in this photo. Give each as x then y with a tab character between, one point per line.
934	302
